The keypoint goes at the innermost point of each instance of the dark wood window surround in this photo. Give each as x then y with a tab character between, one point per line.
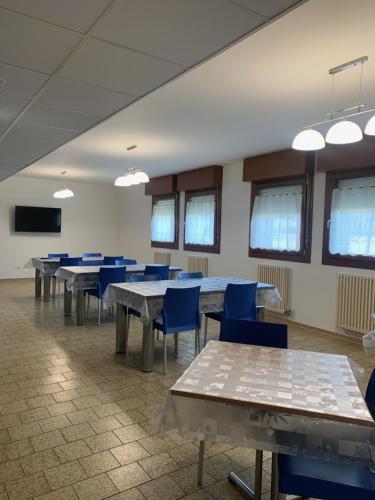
329	259
215	248
174	244
304	255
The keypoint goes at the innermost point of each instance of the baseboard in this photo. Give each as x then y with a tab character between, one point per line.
16	279
274	317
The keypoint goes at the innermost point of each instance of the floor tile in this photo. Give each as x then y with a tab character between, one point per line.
128	476
72	451
163	488
128	453
98	463
95	488
65	474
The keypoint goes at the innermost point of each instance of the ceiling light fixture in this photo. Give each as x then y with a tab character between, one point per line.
342	130
64	192
132	176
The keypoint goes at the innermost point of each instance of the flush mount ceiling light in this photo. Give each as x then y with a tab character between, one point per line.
342	130
64	192
132	176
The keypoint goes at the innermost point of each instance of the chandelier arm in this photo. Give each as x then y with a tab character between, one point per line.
340	118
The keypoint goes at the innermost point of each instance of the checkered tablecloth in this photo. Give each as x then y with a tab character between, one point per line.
148	297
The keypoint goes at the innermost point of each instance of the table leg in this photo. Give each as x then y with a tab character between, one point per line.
80	307
38	283
67	301
255	493
148	347
46	288
121	328
274	478
200	462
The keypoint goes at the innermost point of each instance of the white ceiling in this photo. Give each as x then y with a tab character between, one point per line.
66	65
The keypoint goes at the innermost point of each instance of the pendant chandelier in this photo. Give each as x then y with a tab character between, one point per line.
342	130
64	192
132	176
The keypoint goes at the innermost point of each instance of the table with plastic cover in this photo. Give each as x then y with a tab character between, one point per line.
148	297
280	400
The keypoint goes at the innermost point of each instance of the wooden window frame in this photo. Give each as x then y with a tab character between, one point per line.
304	255
163	244
215	248
329	259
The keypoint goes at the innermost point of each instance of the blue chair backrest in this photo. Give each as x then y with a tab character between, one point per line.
254	332
240	301
92	254
70	261
109	275
181	308
57	255
370	394
91	262
190	276
162	270
111	260
142	277
125	262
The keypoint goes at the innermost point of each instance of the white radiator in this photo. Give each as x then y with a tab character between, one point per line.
355	302
196	264
162	258
278	276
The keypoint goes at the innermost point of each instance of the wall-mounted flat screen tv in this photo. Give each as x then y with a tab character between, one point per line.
37	219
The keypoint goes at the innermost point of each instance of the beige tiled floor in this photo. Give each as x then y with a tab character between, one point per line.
75	419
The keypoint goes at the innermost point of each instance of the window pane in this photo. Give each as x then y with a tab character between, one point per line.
276	219
200	220
162	221
352	226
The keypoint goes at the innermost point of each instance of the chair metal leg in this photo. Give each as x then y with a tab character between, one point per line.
197	342
205	330
88	306
165	353
274	479
99	310
53	286
176	344
200	462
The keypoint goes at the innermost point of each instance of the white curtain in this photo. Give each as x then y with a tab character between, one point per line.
162	221
352	224
276	219
200	220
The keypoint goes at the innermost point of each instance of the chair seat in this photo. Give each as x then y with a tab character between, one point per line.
217	316
133	312
94	292
326	480
158	325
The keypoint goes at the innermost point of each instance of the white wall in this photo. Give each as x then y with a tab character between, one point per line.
90	222
313	293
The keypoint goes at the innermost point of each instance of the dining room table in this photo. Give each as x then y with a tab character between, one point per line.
280	400
147	299
80	279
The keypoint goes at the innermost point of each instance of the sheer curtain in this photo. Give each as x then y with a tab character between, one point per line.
352	224
200	220
162	221
276	219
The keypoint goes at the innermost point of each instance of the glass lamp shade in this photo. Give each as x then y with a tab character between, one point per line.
123	181
63	193
133	179
142	177
370	127
308	140
344	132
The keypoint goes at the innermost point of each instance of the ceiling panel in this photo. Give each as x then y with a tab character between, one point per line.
4	124
33	44
20	83
269	8
116	68
60	118
75	14
16	154
41	133
8	169
82	97
182	32
10	107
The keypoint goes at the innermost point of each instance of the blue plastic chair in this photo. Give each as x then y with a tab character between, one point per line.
92	254
328	480
57	255
91	263
180	314
69	261
239	303
190	276
260	333
144	277
107	275
111	260
162	270
125	262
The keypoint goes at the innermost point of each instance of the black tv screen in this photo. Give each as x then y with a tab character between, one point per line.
37	219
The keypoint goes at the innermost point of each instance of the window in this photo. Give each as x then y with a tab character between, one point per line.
349	234
280	220
164	221
202	221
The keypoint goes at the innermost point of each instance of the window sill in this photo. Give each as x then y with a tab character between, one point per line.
287	256
201	248
161	244
348	261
